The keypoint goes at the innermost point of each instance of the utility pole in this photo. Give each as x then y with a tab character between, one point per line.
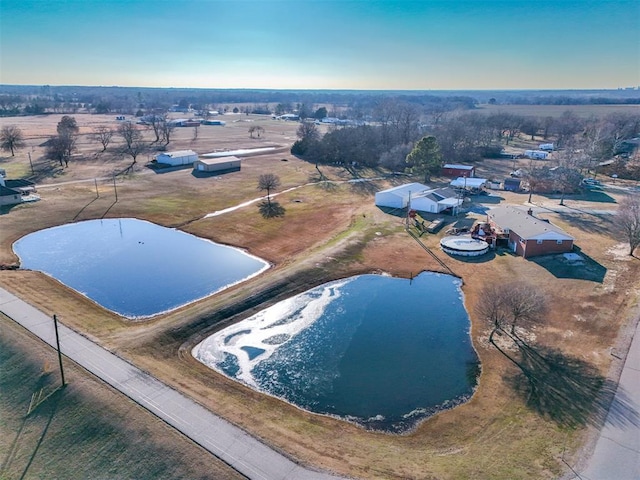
55	324
33	172
114	187
95	180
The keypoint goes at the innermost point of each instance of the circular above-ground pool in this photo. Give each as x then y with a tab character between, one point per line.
464	246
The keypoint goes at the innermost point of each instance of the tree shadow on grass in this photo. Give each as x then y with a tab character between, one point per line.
271	209
364	187
570	391
579	266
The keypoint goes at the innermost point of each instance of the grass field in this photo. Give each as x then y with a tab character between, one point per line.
86	430
332	229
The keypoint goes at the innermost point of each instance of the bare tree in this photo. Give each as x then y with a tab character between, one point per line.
195	133
103	135
394	159
308	132
268	182
167	129
11	139
252	130
134	143
628	220
508	306
537	176
156	122
60	148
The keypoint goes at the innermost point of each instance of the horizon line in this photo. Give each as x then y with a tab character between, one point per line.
610	89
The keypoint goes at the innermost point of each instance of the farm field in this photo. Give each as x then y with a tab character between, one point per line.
583	111
331	229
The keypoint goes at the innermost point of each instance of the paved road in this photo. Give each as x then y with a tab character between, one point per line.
617	452
226	441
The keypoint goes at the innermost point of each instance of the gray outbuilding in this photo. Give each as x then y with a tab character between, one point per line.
220	164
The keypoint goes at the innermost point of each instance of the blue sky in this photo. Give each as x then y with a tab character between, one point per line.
322	44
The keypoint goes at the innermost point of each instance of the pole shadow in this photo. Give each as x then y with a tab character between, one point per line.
52	404
84	208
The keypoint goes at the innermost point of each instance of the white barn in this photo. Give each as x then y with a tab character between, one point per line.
419	197
398	197
179	157
221	164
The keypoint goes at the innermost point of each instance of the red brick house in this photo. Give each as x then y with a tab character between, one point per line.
455	171
526	234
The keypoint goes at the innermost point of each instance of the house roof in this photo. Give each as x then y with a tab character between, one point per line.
8	192
405	189
178	153
458	167
528	227
438	195
217	160
18	183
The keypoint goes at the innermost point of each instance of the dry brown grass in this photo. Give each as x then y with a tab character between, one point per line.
330	231
87	430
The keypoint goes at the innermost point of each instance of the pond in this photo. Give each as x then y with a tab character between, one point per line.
379	351
135	268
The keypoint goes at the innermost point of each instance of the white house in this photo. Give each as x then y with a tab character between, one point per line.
13	192
398	197
179	157
221	164
436	200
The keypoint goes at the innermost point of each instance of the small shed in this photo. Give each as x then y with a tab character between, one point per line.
512	184
454	170
218	165
179	157
398	197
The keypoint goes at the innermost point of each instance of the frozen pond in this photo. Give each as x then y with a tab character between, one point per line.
379	351
135	268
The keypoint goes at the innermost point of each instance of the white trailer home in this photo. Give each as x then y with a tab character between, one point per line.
177	158
546	147
536	154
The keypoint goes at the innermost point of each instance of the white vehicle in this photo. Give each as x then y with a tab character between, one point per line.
546	147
